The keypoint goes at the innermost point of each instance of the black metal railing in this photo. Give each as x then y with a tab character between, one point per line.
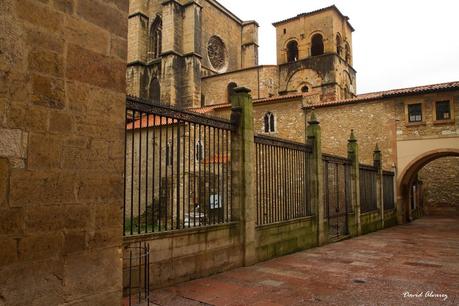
282	180
388	189
177	169
368	195
337	193
136	275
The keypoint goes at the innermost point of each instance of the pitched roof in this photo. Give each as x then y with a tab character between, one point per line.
391	94
331	7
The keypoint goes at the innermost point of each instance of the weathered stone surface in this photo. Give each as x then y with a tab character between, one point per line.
75	241
42	246
13	143
44	219
118	47
87	35
13	53
28	117
37	38
60	123
11	221
29	188
8	254
66	6
46	62
39	15
49	92
4	181
44	151
104	16
89	67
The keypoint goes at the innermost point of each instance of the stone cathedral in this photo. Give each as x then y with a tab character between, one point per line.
192	54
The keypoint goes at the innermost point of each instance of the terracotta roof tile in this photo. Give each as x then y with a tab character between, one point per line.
152	121
390	94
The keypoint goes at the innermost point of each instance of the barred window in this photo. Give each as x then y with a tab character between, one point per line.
269	122
415	112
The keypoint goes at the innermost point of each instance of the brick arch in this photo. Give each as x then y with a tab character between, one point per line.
408	175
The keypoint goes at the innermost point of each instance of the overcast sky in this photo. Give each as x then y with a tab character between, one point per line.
396	43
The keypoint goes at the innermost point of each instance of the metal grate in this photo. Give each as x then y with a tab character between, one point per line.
177	169
388	188
368	176
282	180
136	275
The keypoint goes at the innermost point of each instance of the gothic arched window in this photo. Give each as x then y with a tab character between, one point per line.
347	50
292	51
155	90
269	122
199	153
230	90
317	45
339	48
155	38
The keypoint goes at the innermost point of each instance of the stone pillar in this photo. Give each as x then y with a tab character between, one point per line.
377	163
249	44
353	155
243	171
317	179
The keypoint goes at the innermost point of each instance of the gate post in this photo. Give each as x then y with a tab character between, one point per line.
353	154
377	163
243	171
317	179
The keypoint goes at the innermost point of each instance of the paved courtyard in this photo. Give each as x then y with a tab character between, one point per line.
413	264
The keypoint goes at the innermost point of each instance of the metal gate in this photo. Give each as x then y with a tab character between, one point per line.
336	195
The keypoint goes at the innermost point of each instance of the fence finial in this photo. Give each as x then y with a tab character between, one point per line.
352	136
313	119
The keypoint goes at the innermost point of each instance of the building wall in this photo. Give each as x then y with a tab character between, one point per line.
440	180
373	123
262	80
62	104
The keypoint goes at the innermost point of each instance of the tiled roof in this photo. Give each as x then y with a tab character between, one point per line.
210	108
332	7
391	94
217	159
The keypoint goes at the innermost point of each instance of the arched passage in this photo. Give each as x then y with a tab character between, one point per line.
407	184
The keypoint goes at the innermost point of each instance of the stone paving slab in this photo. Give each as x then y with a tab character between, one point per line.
420	258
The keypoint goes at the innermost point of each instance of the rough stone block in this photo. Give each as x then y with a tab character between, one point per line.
87	35
41	187
44	219
75	241
104	16
66	6
91	272
49	92
13	55
4	181
118	47
77	217
28	117
46	62
8	254
93	68
39	15
40	246
105	238
13	143
60	123
11	221
43	39
100	187
44	152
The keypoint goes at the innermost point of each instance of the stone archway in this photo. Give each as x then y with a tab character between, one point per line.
408	175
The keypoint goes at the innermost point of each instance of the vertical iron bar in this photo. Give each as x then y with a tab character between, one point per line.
190	193
154	174
160	178
132	173
146	172
177	211
213	178
139	228
130	272
125	173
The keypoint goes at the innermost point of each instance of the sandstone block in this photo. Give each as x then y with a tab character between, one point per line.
43	39
41	246
13	143
13	55
75	241
41	187
4	181
44	151
93	68
49	92
66	6
44	219
28	117
46	62
11	221
39	15
8	254
60	123
100	187
77	217
104	16
87	35
118	47
105	238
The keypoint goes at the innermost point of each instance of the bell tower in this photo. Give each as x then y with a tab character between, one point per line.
314	54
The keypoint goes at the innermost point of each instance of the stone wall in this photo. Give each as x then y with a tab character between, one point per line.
441	186
62	101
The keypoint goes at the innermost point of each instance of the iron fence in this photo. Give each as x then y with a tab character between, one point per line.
388	189
177	169
368	195
282	180
337	193
136	275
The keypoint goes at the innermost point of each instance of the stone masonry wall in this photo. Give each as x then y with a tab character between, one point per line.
441	186
62	101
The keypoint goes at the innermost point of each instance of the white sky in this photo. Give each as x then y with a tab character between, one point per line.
396	43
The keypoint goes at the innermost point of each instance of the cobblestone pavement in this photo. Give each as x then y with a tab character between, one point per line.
421	258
